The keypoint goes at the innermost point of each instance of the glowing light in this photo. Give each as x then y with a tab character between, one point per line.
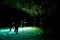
25	28
22	30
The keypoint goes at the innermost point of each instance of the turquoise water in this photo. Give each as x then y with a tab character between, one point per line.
25	33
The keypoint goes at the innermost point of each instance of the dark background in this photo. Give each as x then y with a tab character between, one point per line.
6	12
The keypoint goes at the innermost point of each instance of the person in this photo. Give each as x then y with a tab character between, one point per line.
10	26
25	22
11	20
21	23
16	24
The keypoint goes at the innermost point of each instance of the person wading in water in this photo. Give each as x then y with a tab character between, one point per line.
16	24
11	22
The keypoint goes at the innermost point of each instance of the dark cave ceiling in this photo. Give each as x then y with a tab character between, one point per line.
32	7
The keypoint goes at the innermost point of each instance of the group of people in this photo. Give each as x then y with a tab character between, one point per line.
15	21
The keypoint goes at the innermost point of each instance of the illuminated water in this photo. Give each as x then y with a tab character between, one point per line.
25	33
